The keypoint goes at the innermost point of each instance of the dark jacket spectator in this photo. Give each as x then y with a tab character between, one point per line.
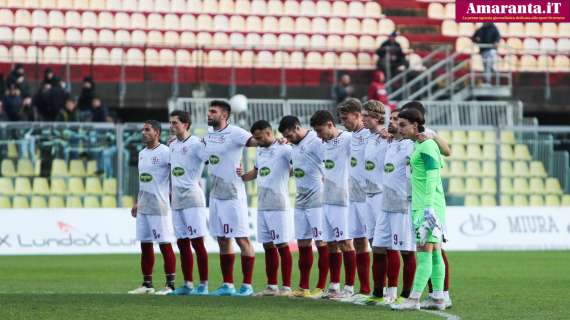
17	76
69	113
27	113
343	89
99	112
49	77
87	94
43	103
12	103
377	89
392	51
488	34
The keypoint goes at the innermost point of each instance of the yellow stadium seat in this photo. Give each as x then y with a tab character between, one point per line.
474	152
91	202
73	202
475	136
458	152
22	186
456	186
489	169
459	137
12	150
520	168
76	186
8	168
40	186
56	202
6	186
553	186
76	168
5	202
457	169
537	169
91	167
93	185
508	137
507	152
25	168
489	152
110	185
506	201
489	137
536	200
536	186
520	201
507	169
109	202
506	186
520	186
473	168
522	152
566	200
58	168
58	186
472	201
552	200
488	201
20	202
39	202
472	185
489	186
127	202
444	134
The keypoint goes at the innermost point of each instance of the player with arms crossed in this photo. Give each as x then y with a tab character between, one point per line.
335	198
428	211
307	160
272	170
189	212
228	199
359	219
152	210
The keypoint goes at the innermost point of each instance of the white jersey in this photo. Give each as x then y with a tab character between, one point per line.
224	149
337	167
397	187
307	159
374	163
154	181
273	166
187	160
357	168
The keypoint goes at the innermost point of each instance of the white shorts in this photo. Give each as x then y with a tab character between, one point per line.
229	218
273	227
309	223
190	222
360	220
335	223
373	205
395	231
154	228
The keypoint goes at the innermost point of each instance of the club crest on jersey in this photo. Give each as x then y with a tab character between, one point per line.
389	167
265	171
155	160
145	177
329	164
214	159
184	149
353	162
299	173
178	171
369	166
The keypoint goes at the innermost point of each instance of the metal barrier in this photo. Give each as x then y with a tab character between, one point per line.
473	113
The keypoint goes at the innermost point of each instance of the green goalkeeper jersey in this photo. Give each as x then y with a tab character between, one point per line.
427	188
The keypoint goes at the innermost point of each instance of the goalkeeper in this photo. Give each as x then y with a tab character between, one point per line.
428	211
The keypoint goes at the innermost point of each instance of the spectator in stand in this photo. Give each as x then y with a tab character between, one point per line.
69	113
17	76
12	103
343	89
99	112
49	77
85	101
42	102
377	90
3	116
487	37
59	95
391	57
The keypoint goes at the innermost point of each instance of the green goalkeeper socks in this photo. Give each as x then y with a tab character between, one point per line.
423	272
438	272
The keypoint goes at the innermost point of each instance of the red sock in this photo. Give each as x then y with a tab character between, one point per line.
286	265
227	265
446	281
349	258
305	264
247	268
147	261
323	265
186	260
201	258
379	269
409	272
335	263
169	263
271	265
393	269
363	268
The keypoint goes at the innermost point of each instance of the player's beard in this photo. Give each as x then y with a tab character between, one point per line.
392	129
214	123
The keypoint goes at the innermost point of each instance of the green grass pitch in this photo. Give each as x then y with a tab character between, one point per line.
484	285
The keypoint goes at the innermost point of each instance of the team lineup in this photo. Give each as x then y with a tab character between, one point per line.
366	189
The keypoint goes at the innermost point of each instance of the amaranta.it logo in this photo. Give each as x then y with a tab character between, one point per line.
370	165
299	173
389	167
178	171
353	162
214	159
265	171
329	164
145	177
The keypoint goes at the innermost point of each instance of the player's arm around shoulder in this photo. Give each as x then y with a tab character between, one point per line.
248	176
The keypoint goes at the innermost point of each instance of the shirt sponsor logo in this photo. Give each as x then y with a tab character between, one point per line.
145	177
214	159
155	160
178	171
353	162
370	165
389	167
329	164
299	173
265	171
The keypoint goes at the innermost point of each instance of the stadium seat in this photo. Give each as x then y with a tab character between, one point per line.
549	29
76	186
56	202
488	201
73	202
274	7
473	168
138	21
521	152
386	27
536	186
6	16
563	45
520	186
22	186
456	186
566	200
436	11
547	45
507	169
91	202
110	186
93	185
537	169
561	63
520	201
20	202
472	201
8	168
40	186
464	45
127	202
473	185
474	152
516	29
76	168
335	25
507	186
105	20
459	137
6	186
527	63
489	169
552	200
506	201
552	186
23	17
536	200
108	202
489	152
39	202
507	152
5	202
465	29
259	7
155	21
458	152
544	63
287	24
488	186
520	168
449	28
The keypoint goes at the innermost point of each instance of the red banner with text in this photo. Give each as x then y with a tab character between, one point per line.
555	11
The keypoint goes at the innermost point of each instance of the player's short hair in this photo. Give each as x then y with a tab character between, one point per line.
350	105
155	125
321	117
413	115
224	105
260	125
183	116
375	109
414	105
288	122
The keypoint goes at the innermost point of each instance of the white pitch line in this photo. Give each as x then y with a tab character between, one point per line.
442	314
